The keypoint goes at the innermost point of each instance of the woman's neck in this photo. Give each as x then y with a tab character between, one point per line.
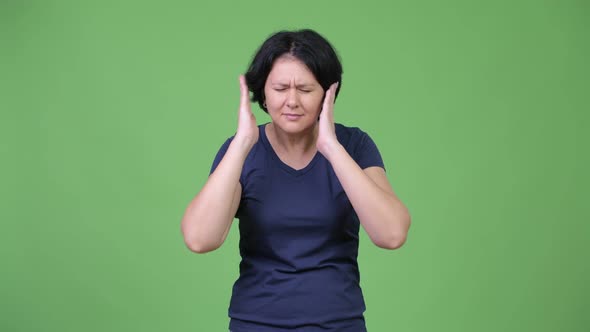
300	143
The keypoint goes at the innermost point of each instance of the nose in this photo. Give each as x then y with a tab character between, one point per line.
292	98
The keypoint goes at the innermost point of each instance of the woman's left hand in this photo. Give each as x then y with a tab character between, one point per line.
327	131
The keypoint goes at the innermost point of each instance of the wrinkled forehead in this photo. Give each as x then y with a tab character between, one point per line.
288	68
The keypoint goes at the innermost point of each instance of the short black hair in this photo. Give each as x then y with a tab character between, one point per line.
307	46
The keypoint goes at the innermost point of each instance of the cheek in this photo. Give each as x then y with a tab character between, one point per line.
313	102
274	100
271	95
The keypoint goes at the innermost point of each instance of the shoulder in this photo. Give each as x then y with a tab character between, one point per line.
349	135
359	145
255	158
228	140
256	149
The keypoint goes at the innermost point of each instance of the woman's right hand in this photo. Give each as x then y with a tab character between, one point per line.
247	128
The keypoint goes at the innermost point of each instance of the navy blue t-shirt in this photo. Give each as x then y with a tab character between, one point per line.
298	242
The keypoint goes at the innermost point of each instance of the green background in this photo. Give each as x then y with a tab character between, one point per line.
112	111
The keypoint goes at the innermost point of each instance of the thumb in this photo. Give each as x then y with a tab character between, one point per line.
244	93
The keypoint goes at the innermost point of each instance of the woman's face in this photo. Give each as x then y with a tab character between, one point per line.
293	95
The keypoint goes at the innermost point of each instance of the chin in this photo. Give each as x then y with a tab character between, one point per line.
294	127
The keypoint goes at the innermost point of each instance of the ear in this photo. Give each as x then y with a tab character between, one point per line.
263	104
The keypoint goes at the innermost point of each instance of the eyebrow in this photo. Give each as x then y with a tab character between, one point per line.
298	85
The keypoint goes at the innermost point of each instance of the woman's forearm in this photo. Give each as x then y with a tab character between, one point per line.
209	215
383	216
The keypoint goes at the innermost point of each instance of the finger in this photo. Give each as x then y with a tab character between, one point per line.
244	93
334	87
330	95
327	99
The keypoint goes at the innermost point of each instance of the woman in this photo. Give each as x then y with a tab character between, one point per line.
300	185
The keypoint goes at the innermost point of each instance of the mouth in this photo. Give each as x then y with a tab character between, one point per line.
292	116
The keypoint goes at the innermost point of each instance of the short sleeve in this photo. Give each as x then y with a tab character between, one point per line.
220	155
366	153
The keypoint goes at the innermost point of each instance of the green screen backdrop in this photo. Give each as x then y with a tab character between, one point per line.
112	112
